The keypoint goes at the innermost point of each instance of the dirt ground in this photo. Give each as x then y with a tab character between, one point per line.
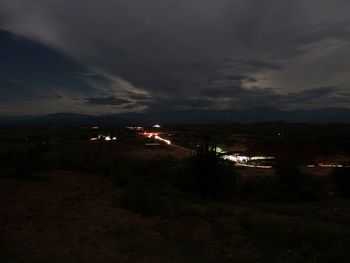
71	217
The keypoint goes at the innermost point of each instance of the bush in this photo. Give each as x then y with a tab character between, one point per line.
290	184
89	160
157	173
312	237
258	187
19	162
341	181
142	200
207	175
205	167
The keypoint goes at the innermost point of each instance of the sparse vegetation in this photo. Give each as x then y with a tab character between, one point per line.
134	203
19	162
291	184
207	175
143	200
341	180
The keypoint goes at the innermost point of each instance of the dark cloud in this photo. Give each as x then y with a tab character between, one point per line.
180	103
132	105
252	65
312	94
233	78
166	54
106	101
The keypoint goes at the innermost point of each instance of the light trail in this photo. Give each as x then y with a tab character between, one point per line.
241	160
332	165
245	161
254	166
156	136
328	165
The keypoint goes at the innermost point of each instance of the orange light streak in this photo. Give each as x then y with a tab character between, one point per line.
155	136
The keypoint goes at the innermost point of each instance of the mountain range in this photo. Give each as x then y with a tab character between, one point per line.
320	116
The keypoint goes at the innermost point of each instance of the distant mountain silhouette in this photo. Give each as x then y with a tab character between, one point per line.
326	115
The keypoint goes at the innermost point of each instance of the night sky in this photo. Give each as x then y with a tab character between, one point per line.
114	56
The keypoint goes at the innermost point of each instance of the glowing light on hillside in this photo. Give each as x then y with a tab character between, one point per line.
246	161
255	158
104	138
155	136
136	128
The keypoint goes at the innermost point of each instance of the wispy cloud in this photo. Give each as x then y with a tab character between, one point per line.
162	54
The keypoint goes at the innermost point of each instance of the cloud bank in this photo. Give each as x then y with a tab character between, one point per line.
181	54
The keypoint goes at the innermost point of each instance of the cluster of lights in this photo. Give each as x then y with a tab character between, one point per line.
241	160
236	158
155	136
330	165
103	137
135	128
244	159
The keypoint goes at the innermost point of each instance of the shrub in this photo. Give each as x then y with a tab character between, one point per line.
142	200
81	159
245	221
341	181
318	238
207	175
19	162
291	184
157	173
205	165
258	187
